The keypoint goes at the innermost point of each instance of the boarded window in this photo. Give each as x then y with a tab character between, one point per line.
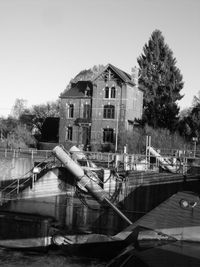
108	135
109	112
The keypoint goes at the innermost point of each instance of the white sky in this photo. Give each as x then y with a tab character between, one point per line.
45	43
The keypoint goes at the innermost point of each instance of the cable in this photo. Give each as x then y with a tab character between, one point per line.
81	197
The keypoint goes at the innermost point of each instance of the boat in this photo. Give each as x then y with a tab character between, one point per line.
15	231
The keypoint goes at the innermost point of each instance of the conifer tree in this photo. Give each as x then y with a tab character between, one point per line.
162	83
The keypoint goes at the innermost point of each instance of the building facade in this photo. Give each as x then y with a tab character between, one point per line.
97	113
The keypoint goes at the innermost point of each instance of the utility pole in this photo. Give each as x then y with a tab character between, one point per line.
117	129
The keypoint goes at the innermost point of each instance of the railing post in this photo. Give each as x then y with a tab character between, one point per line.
108	160
33	180
132	161
17	186
186	165
1	199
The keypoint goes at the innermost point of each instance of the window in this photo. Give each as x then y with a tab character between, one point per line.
88	92
69	133
71	111
110	92
83	162
107	89
108	135
109	112
86	111
113	92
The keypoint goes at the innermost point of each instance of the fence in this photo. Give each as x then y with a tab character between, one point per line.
24	153
179	161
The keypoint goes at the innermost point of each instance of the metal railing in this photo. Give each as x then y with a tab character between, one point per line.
177	158
24	153
176	163
13	190
128	162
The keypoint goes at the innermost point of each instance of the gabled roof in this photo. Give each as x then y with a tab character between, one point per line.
77	90
124	76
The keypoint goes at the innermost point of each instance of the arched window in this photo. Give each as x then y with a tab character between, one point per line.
113	92
107	89
109	112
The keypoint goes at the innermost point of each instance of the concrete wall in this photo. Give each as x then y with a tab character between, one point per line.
22	230
65	121
137	194
12	168
41	199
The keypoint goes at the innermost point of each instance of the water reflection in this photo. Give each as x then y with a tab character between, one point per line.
13	258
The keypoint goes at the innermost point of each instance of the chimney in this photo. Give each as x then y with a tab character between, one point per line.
135	75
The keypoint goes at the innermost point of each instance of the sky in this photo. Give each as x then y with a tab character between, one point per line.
45	43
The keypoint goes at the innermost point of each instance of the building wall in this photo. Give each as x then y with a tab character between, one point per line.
134	103
66	122
128	106
99	101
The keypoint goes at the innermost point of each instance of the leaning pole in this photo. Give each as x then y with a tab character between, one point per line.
93	188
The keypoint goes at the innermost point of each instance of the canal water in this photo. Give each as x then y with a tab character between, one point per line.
12	258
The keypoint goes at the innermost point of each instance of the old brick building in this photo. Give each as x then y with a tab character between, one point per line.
98	113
